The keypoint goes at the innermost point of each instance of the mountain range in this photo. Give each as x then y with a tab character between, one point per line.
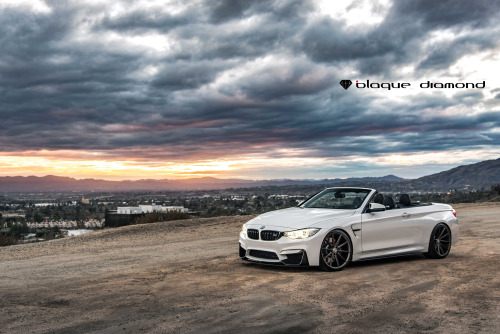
479	175
64	184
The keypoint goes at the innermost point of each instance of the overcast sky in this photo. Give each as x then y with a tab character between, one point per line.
247	89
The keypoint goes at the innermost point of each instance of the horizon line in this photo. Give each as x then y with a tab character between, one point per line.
204	177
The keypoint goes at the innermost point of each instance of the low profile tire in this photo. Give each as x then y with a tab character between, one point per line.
440	242
336	251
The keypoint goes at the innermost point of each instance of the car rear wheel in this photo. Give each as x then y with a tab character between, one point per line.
336	251
440	242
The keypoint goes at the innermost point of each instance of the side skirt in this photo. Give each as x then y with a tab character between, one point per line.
376	257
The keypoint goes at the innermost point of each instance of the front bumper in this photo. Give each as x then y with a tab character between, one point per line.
284	251
263	257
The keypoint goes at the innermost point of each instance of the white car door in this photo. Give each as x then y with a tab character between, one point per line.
387	230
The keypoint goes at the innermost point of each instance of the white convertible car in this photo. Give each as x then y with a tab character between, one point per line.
340	225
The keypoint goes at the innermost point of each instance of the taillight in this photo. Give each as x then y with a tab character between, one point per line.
454	212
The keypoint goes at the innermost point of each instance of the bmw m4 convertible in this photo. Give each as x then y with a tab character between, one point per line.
340	225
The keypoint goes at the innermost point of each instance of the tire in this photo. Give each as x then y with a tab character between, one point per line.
336	251
440	242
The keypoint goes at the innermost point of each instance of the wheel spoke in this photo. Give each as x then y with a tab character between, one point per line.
339	246
442	231
338	240
337	260
343	258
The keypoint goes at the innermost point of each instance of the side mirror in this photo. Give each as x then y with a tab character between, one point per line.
375	207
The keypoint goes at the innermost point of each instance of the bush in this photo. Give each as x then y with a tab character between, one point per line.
156	216
7	240
17	230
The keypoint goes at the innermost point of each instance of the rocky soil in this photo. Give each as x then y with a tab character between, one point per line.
185	277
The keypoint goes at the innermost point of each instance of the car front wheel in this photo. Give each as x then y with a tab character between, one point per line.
440	242
336	251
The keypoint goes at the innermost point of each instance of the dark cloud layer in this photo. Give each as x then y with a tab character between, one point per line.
217	79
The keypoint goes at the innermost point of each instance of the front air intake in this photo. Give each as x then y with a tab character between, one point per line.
263	254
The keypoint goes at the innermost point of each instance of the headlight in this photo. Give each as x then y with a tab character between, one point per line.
301	234
244	229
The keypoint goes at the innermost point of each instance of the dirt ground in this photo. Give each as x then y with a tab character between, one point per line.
185	277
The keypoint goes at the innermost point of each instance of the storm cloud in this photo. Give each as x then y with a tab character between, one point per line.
203	80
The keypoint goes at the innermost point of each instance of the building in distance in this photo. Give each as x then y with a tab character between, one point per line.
130	210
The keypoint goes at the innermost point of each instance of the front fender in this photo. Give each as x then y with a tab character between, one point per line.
350	225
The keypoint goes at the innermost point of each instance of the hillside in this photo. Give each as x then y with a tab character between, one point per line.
479	175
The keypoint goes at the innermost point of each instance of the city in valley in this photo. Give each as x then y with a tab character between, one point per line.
28	217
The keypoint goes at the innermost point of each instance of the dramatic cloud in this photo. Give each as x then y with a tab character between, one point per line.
246	88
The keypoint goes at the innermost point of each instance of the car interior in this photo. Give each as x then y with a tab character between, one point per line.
404	201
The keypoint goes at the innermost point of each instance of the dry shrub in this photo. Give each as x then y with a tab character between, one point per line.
156	216
7	240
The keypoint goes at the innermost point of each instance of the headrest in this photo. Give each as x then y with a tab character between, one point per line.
379	198
405	199
389	202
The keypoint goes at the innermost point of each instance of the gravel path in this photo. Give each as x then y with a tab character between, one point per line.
185	277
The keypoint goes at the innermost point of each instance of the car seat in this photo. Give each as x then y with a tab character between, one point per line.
379	198
389	203
404	200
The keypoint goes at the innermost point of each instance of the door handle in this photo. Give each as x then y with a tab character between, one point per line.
406	214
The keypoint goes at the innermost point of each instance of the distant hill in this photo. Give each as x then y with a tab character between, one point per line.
479	175
468	177
52	183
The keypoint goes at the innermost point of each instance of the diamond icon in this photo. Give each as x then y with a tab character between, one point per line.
345	83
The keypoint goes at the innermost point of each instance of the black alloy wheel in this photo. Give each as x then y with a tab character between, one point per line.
440	242
336	251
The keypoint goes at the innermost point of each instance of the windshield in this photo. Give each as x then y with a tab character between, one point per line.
338	199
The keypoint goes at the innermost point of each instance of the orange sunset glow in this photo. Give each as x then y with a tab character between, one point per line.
111	170
67	163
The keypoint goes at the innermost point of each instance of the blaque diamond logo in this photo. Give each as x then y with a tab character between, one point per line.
345	83
397	85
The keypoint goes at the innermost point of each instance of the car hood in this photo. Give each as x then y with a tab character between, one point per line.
297	218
